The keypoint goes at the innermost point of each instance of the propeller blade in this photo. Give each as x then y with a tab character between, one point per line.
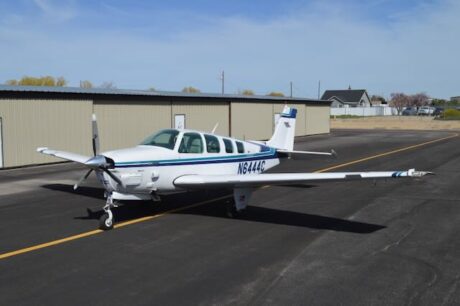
95	136
114	177
82	179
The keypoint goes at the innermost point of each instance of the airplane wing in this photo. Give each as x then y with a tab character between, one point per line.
65	155
255	180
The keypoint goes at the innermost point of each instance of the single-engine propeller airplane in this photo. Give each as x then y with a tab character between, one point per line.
172	161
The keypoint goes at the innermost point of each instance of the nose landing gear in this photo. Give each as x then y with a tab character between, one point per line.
106	220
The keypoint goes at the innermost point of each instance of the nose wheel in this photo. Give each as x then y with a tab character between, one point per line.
106	220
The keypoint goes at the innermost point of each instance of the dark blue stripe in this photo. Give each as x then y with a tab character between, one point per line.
199	162
292	113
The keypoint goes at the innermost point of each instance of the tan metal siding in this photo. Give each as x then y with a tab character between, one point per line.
58	124
317	119
300	127
252	120
203	116
125	124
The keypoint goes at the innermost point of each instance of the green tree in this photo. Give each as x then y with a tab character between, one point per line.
276	94
247	92
38	81
190	89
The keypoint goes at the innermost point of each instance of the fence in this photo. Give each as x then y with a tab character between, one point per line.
364	111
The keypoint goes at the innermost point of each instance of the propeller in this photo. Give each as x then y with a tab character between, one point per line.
95	136
98	162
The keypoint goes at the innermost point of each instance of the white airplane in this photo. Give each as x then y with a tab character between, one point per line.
172	161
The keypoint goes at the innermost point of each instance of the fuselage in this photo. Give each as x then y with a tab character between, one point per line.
152	166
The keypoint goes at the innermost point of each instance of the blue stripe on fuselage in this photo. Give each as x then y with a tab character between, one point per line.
200	161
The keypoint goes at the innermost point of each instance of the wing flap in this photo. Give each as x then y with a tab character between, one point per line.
201	181
65	155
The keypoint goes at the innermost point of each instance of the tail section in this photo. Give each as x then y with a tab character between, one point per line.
283	137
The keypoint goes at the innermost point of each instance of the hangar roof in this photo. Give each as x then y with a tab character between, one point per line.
145	93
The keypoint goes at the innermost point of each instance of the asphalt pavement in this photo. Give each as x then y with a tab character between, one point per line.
395	242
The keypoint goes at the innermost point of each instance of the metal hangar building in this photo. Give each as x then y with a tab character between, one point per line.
60	118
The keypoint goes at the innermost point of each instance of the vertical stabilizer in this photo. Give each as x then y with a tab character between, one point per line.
283	137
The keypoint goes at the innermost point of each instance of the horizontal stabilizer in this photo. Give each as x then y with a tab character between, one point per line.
300	154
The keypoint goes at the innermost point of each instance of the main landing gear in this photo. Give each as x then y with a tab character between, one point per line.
106	220
232	211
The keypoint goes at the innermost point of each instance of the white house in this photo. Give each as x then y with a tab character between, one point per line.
348	97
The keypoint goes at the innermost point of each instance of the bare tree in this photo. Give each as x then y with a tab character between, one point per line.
86	84
419	99
61	82
246	92
108	85
190	89
399	101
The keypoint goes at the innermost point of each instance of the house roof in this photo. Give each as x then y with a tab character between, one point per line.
346	96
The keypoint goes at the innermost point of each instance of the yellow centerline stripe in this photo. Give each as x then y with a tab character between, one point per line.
143	219
98	231
384	154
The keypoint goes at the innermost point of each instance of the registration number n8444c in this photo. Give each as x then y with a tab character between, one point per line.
256	166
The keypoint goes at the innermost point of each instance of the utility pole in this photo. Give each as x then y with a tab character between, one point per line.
223	81
291	88
319	88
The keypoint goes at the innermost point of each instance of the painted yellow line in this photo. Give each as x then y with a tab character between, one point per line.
95	232
143	219
385	154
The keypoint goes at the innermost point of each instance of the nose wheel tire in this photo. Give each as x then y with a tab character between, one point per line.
106	222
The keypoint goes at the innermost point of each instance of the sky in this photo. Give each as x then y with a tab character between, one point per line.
383	46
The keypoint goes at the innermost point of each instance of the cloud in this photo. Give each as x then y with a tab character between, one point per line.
58	13
326	41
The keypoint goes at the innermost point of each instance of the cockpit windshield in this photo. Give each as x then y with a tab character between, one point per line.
164	138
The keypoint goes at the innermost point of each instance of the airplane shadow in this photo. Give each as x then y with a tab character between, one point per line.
129	210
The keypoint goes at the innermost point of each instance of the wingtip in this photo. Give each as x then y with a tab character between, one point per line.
41	149
334	153
415	173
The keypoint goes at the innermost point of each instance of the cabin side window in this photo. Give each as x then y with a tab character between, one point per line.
212	144
191	143
228	145
240	147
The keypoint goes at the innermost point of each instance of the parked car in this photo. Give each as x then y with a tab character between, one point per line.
438	111
425	111
409	111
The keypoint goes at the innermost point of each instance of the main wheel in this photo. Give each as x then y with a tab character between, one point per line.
105	223
231	211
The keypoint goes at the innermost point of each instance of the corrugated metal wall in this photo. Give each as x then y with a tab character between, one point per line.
203	116
58	124
256	120
66	124
251	121
317	120
125	124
